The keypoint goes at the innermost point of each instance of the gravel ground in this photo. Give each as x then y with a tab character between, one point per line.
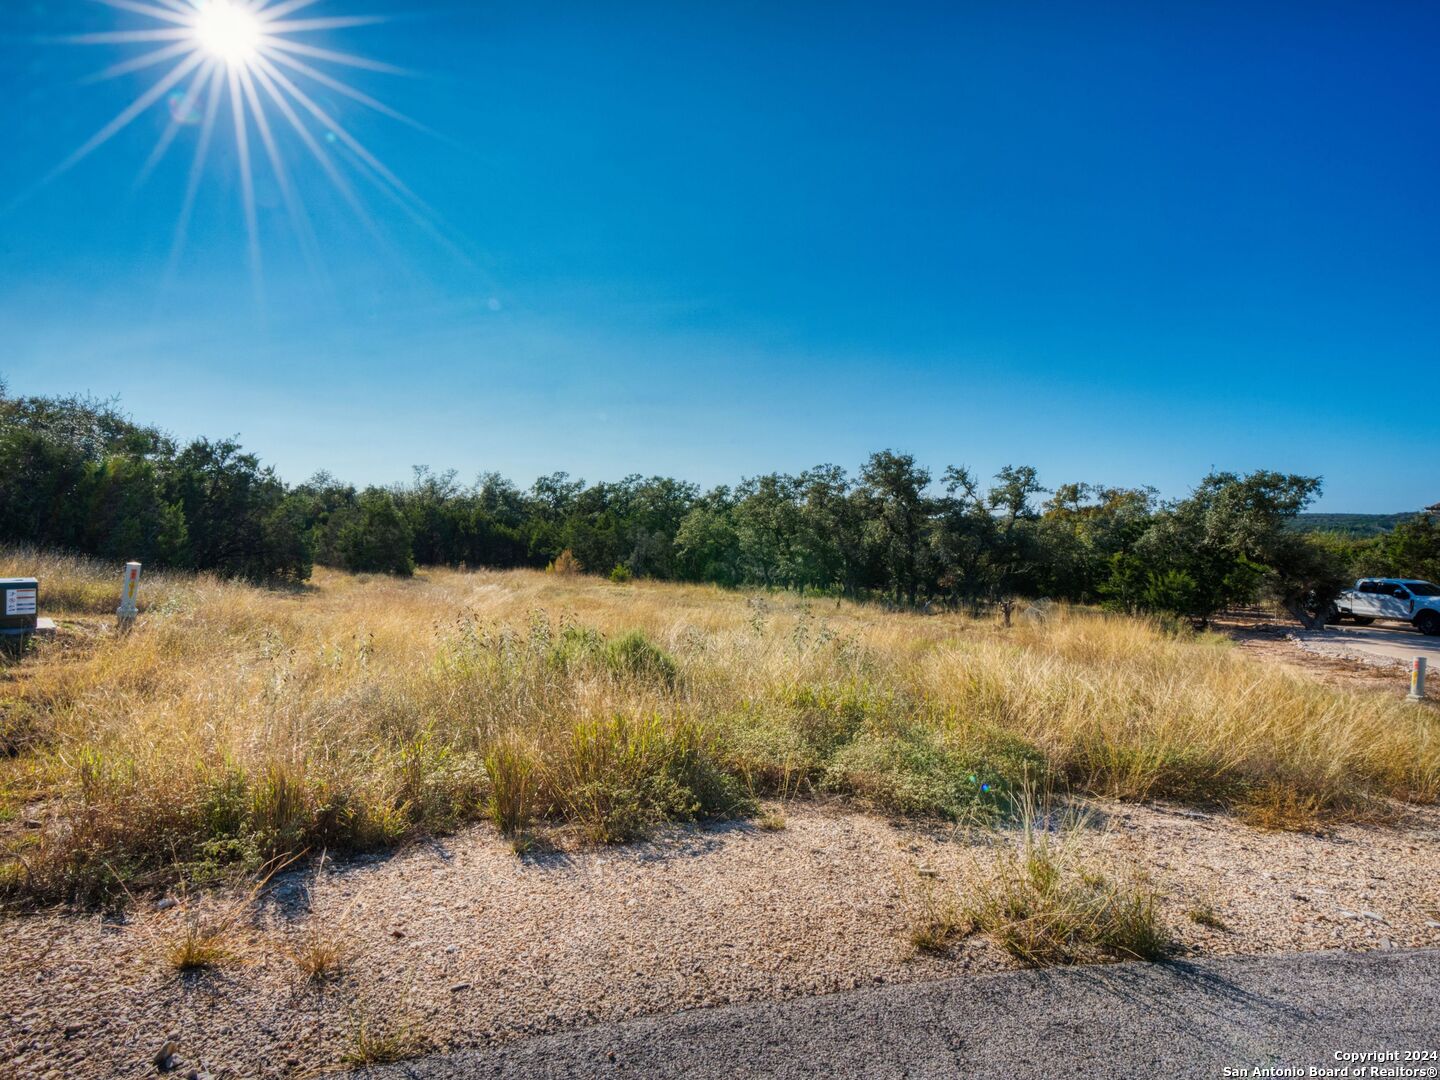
1283	642
461	944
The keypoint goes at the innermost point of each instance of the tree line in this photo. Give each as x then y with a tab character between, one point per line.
79	474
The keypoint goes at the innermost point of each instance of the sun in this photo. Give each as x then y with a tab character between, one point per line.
254	69
228	31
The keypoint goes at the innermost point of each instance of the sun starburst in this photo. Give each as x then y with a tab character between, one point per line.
247	66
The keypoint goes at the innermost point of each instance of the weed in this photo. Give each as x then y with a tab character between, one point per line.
1205	915
1044	903
771	821
374	1042
202	945
511	805
320	956
939	922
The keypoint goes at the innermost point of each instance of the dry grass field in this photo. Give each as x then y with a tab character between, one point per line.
237	726
500	769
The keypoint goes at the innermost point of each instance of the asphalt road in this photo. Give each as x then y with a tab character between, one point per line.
1387	641
1128	1020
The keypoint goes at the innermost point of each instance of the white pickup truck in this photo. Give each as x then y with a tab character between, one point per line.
1397	599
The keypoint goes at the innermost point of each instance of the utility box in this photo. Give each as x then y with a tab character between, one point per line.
19	604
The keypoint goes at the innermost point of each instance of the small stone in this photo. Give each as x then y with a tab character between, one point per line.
1432	924
165	1059
71	1030
927	871
1386	943
1373	916
166	903
452	948
397	933
459	986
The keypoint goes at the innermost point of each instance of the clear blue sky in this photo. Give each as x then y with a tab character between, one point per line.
1121	242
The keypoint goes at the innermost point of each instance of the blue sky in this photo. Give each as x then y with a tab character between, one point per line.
1121	242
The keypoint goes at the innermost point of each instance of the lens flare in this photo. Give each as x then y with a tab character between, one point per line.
183	110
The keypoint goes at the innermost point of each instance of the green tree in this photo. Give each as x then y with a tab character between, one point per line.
1231	538
374	537
1411	549
894	488
707	546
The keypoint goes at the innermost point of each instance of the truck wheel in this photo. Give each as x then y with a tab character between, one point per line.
1362	620
1428	622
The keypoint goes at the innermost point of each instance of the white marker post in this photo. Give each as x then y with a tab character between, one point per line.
129	593
1417	680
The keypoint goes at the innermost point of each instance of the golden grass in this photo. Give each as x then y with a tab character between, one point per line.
320	955
382	1042
200	946
1046	901
236	724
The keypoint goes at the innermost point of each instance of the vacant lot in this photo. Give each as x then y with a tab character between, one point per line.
857	776
237	725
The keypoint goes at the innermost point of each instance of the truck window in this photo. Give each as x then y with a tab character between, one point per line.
1368	586
1424	588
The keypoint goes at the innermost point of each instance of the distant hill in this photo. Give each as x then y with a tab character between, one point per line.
1357	525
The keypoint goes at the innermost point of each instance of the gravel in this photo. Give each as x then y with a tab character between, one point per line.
460	944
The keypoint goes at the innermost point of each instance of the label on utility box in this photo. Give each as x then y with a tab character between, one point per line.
20	602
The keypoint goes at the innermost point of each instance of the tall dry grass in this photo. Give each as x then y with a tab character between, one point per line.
237	723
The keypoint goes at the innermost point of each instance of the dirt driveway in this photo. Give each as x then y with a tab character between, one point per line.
1376	657
1382	642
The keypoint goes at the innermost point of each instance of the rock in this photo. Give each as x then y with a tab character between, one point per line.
397	933
459	986
165	1059
1373	916
166	903
72	1030
1432	924
927	871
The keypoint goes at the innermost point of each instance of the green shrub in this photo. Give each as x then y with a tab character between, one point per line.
620	776
620	574
911	774
576	646
633	655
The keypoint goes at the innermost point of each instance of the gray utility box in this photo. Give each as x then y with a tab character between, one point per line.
19	603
